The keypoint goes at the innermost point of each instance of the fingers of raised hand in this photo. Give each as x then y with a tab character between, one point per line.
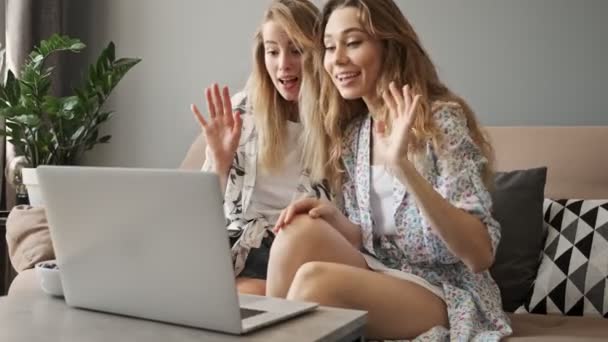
407	95
217	102
390	102
398	98
238	123
412	110
227	107
210	103
198	115
414	107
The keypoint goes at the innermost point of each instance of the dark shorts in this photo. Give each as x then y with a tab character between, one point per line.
256	265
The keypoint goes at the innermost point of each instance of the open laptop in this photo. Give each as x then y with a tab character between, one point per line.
150	244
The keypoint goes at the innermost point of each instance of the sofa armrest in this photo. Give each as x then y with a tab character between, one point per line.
28	237
25	282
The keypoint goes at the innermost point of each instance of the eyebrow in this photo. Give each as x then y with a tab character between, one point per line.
272	42
347	31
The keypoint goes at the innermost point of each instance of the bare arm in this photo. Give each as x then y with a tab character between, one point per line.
464	234
222	131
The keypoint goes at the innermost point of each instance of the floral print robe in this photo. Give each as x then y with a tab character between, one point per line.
473	300
248	225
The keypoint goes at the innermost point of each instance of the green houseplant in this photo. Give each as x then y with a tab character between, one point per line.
46	129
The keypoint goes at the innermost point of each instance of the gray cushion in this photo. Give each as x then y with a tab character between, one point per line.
518	205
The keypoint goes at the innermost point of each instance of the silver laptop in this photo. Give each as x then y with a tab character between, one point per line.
150	244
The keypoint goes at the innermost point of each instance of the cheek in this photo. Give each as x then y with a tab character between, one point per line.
296	63
270	67
327	64
372	67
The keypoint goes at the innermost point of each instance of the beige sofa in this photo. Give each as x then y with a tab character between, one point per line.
575	171
577	168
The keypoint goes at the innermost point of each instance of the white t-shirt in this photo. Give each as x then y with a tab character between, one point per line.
381	200
274	191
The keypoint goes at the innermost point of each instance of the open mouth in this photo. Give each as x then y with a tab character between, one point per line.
346	77
289	82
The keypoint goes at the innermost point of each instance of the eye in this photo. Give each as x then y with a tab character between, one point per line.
272	52
296	51
353	44
330	48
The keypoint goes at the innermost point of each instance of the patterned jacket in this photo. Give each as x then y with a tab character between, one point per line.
249	226
473	300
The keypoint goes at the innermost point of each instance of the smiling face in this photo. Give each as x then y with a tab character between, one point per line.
352	57
282	60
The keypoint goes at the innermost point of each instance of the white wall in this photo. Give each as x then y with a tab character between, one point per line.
518	62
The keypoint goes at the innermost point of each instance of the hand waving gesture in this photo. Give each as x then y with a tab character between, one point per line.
403	109
223	128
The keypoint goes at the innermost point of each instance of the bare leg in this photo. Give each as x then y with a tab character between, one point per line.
304	240
396	308
251	286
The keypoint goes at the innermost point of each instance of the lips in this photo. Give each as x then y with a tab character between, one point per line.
289	82
345	78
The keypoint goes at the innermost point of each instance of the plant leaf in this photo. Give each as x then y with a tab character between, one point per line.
105	139
78	133
51	104
28	120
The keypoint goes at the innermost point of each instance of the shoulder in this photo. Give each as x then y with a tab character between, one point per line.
447	114
451	122
240	102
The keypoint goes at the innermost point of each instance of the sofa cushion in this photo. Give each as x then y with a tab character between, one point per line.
518	206
572	278
531	327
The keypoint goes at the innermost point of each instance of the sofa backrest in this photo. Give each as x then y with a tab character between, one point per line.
195	156
576	157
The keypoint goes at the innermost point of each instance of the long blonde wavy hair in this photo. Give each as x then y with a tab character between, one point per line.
271	111
405	61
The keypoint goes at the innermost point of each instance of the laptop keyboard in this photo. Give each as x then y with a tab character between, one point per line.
246	313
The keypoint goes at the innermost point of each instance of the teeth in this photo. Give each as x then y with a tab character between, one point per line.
288	79
343	76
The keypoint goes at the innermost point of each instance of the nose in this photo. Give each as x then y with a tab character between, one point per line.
284	61
340	56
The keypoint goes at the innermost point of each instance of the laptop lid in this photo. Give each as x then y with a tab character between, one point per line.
142	242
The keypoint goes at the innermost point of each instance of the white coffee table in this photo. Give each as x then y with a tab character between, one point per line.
34	316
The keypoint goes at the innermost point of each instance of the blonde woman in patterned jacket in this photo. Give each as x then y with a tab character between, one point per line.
259	151
415	236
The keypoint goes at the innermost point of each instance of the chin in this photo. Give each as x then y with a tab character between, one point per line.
289	96
349	94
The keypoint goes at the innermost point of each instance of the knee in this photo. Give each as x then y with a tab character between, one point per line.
312	282
302	232
251	286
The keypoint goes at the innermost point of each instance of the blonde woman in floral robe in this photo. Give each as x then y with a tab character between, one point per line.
413	236
258	148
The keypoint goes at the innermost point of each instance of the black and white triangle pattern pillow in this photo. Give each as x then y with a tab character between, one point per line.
573	276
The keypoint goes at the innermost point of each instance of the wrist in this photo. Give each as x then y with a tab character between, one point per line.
402	168
222	169
398	166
